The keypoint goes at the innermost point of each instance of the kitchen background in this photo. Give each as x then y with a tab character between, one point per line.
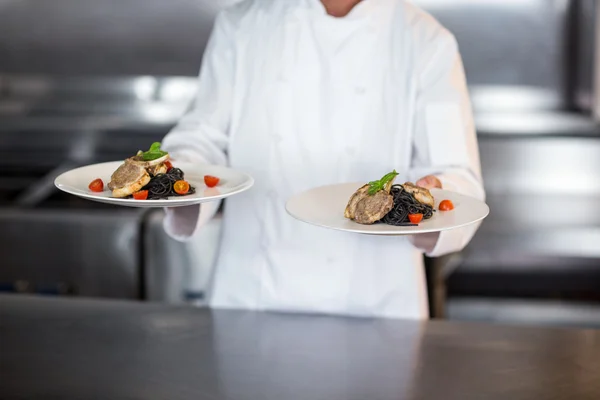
85	81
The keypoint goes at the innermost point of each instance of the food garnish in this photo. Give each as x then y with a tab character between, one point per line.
96	185
446	205
384	183
181	187
211	181
141	195
153	153
415	218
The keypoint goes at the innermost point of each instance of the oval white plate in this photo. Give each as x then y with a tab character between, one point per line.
231	182
324	207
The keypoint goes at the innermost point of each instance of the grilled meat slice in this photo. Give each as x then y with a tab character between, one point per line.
157	169
366	208
422	195
147	164
354	200
373	208
128	179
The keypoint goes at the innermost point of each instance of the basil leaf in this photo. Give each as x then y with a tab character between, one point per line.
148	156
379	185
154	153
154	147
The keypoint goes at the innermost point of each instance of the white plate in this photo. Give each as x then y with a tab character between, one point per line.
324	207
231	182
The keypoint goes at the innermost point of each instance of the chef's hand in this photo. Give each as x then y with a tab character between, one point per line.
426	241
429	182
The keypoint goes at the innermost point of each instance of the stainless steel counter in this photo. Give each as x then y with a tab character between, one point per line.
92	349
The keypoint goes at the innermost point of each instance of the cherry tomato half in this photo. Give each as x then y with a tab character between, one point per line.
97	185
415	218
211	181
446	205
181	187
141	195
169	165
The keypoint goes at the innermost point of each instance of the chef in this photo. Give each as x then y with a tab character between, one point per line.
304	93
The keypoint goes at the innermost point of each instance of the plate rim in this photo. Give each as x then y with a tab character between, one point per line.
249	183
393	230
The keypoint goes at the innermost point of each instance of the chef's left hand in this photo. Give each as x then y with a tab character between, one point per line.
429	182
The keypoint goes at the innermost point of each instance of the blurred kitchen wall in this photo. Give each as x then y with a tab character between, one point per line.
105	37
85	81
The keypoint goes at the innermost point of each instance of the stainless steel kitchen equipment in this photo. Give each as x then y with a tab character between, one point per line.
84	248
90	80
532	90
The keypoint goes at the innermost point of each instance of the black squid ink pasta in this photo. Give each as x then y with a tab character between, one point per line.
405	204
161	186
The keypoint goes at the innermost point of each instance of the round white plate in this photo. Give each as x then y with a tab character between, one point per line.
324	207
231	182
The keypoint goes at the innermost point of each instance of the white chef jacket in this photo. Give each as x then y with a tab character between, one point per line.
299	99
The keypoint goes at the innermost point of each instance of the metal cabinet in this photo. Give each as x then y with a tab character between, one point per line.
71	253
178	272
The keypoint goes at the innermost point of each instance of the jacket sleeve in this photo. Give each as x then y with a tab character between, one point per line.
444	140
201	136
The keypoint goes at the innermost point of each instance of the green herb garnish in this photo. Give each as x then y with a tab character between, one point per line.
154	152
381	184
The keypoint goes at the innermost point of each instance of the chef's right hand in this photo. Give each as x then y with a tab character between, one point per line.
429	182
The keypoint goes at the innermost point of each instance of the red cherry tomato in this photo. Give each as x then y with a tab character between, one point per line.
446	205
97	185
181	187
211	181
169	165
141	195
415	218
